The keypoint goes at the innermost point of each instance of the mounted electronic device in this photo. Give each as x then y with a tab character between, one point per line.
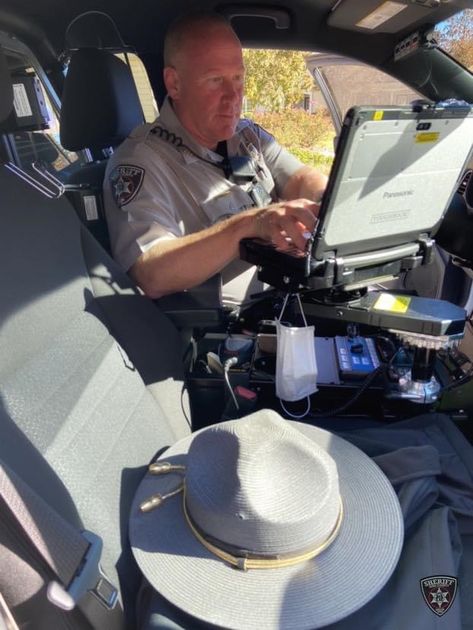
394	174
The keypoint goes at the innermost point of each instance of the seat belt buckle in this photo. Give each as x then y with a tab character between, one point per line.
88	579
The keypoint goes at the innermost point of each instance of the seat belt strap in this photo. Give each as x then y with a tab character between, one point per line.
9	622
71	555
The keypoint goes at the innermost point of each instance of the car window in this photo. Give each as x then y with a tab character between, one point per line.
301	98
279	97
455	36
143	86
347	83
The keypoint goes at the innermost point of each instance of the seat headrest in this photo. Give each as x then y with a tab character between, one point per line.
100	103
6	88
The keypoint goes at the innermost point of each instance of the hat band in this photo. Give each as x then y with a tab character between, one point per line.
253	562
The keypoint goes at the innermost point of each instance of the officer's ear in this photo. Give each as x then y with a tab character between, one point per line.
172	82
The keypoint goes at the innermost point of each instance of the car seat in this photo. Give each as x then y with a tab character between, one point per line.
91	387
100	107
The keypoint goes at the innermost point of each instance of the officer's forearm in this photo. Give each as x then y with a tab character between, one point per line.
307	183
181	263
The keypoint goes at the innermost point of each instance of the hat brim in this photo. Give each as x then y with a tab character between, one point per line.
310	595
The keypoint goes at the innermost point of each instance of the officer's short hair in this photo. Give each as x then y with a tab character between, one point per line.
183	26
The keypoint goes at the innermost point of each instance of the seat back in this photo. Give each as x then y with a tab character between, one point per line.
100	106
90	379
100	103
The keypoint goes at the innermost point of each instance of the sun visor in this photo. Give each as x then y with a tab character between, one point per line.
387	16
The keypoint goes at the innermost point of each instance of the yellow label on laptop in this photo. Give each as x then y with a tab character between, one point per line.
427	136
392	303
378	114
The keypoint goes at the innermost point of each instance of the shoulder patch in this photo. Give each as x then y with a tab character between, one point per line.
125	181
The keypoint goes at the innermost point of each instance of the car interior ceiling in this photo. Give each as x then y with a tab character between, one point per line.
326	25
96	379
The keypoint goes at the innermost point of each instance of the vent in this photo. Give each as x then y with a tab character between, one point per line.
464	182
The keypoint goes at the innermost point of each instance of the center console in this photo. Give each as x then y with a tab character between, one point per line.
363	370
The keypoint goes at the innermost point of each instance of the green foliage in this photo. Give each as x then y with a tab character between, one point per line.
296	127
275	79
308	136
456	37
321	161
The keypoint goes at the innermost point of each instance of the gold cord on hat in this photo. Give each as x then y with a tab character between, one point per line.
245	563
156	499
162	468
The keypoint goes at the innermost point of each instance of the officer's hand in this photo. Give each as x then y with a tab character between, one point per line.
287	224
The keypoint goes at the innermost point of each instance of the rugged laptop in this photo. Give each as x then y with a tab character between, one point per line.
394	173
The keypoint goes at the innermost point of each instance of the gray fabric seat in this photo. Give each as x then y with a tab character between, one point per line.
91	376
100	107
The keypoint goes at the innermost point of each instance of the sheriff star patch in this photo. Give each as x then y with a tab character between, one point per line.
126	181
439	592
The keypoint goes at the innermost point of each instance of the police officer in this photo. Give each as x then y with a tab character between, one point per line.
182	192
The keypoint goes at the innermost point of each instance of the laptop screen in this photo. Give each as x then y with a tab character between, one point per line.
394	174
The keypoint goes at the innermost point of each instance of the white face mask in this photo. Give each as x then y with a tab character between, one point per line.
296	366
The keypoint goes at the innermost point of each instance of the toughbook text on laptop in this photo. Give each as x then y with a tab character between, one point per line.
394	173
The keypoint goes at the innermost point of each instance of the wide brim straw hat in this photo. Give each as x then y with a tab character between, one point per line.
312	524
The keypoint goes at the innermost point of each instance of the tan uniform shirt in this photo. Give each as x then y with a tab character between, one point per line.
155	189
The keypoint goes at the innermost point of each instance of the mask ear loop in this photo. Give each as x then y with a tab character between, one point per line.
298	296
279	319
294	415
284	304
286	411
